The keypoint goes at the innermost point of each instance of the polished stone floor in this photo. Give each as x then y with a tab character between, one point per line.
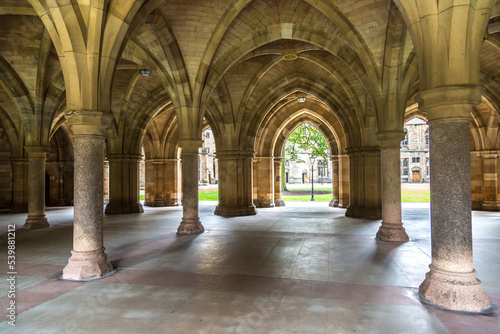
304	268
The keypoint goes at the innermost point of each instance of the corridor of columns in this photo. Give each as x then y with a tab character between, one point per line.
89	84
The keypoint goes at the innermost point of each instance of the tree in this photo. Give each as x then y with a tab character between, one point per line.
304	139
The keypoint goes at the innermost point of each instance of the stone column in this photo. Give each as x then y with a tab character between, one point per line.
191	223
124	184
264	182
36	191
60	200
335	181
392	226
88	259
235	184
491	181
19	185
372	196
162	187
451	282
352	208
343	181
278	201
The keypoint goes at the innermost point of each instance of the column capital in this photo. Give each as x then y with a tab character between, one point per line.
88	122
362	151
487	154
235	154
190	145
124	157
390	138
449	103
19	160
36	151
278	160
334	158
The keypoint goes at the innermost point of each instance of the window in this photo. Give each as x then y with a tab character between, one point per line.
322	168
405	141
405	162
427	137
405	171
415	160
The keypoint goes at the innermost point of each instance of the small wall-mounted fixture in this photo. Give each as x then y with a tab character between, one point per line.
144	72
301	99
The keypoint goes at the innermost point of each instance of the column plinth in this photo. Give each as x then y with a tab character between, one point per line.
190	226
87	265
457	291
36	191
392	226
88	260
451	282
190	223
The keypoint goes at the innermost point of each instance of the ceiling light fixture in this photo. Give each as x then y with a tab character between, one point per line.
301	99
144	72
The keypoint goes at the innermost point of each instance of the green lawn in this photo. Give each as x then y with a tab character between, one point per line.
307	198
415	195
212	195
409	193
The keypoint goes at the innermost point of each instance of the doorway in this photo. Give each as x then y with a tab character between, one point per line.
415	175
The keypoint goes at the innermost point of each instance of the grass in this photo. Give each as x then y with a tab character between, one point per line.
211	195
419	193
409	193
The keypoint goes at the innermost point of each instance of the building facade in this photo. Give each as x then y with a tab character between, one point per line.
415	164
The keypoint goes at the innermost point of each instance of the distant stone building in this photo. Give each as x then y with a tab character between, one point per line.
415	152
207	164
302	172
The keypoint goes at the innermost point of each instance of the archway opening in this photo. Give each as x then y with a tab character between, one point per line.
208	174
307	168
415	163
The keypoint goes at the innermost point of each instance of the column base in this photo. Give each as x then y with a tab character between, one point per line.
334	203
123	209
279	202
87	265
490	206
454	291
392	232
235	212
352	212
364	212
263	203
34	222
190	226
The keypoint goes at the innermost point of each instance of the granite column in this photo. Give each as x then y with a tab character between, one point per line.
392	226
190	223
451	282
88	259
